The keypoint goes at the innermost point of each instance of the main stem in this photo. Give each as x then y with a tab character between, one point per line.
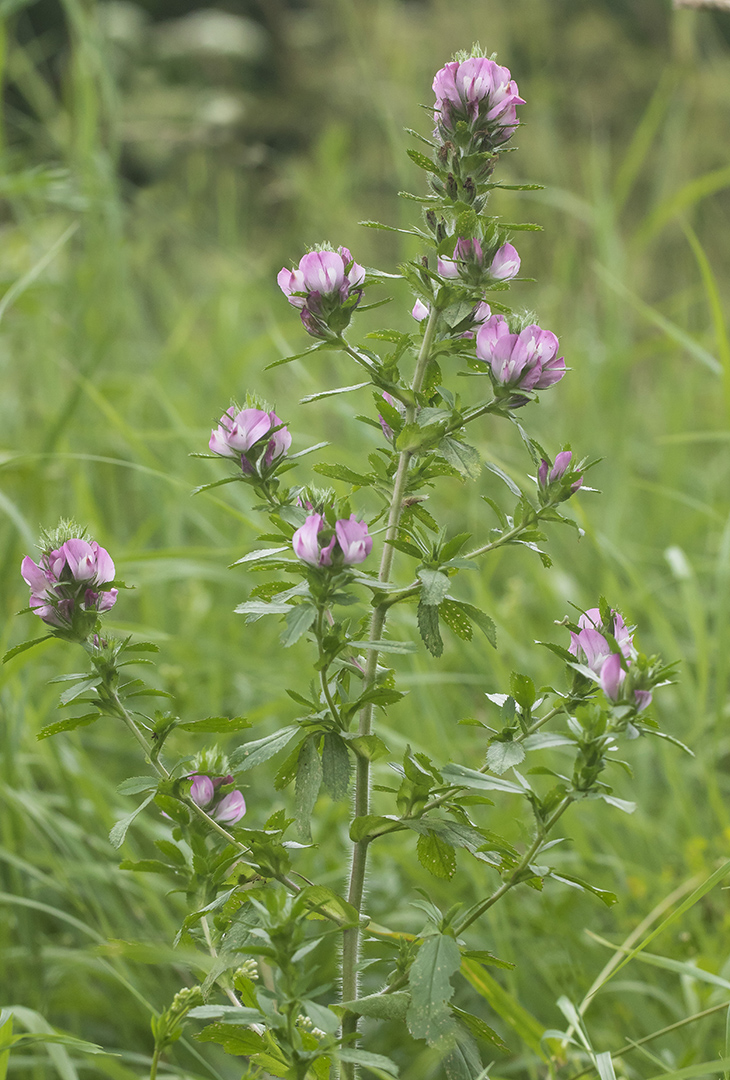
351	937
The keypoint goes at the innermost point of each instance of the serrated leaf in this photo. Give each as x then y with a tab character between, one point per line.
263	607
298	621
435	585
332	393
460	775
381	1006
482	620
503	476
436	855
217	724
504	755
335	767
428	626
262	553
386	646
461	456
428	1015
479	1029
133	785
421	160
375	1062
321	897
254	753
308	783
69	724
119	831
368	825
371	747
76	691
24	646
341	472
450	612
522	689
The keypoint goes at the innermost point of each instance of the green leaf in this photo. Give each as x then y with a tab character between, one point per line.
24	646
133	785
428	1016
369	746
145	866
76	691
335	768
263	607
376	1063
436	855
68	724
462	457
6	1041
321	897
308	783
482	620
422	161
239	1041
254	753
341	472
298	621
608	898
262	553
386	646
522	689
504	755
463	777
321	1017
368	825
381	1006
227	1013
450	612
503	476
435	585
479	1029
428	625
218	724
119	831
332	393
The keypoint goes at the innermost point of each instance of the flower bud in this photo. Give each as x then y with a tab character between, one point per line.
326	287
551	477
394	403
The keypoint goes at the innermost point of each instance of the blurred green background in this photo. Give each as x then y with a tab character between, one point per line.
159	162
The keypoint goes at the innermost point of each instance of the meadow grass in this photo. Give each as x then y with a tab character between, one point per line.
129	319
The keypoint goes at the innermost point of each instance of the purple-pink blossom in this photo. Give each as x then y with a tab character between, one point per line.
479	92
326	287
240	435
506	263
354	540
524	361
227	809
306	542
350	542
592	649
70	580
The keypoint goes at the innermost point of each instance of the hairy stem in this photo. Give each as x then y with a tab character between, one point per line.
516	876
351	937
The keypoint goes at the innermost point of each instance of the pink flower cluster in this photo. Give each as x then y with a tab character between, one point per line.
469	257
239	432
354	544
204	793
70	579
524	361
591	648
326	287
480	92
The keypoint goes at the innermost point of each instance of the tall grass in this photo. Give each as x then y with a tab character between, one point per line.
129	319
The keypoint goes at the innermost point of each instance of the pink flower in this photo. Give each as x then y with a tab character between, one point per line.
590	647
524	361
306	542
479	92
420	310
557	472
67	584
326	287
353	539
202	790
240	432
230	809
505	264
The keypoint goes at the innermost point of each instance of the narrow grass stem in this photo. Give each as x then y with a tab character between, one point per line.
351	936
516	875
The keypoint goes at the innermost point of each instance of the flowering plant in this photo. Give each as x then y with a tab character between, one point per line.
250	899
